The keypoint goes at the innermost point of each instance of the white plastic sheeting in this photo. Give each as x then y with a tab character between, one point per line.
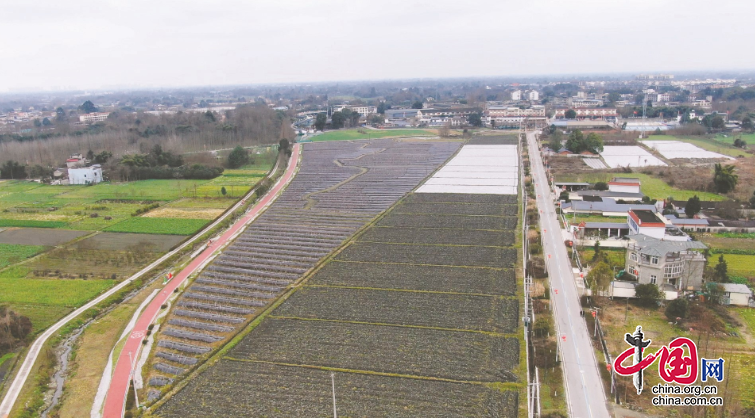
478	169
678	149
633	156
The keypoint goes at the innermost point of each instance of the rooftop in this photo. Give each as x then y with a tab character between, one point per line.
608	193
736	288
659	247
646	215
607	205
606	225
625	180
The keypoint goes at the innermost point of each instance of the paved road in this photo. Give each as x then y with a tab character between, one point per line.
585	396
119	385
31	357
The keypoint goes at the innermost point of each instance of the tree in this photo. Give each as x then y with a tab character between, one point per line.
12	170
600	186
210	116
417	105
377	119
284	147
60	115
648	295
597	254
37	123
570	114
102	157
475	119
677	308
556	139
90	155
717	123
740	143
223	191
600	277
594	142
752	200
46	122
724	178
692	207
382	107
747	124
320	121
721	271
337	119
87	107
238	157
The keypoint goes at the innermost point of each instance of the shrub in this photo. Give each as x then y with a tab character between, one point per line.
677	308
648	295
601	186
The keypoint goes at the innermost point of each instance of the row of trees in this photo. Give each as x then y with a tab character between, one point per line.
577	142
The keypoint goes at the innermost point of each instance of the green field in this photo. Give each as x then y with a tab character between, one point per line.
714	145
739	265
31	223
69	293
729	138
750	235
651	186
168	226
11	254
347	134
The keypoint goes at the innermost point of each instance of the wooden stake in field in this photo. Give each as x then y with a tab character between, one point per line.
333	383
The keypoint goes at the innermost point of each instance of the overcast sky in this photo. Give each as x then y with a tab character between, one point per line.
154	43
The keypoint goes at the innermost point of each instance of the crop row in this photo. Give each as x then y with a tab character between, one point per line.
493	199
440	236
450	221
411	277
443	310
494	140
430	254
387	349
235	389
457	209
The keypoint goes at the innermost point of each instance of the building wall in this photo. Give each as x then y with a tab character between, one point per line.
89	175
623	188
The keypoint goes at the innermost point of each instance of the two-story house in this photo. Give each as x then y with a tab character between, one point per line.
671	265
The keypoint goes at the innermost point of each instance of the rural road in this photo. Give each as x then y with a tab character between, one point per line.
119	385
584	389
31	357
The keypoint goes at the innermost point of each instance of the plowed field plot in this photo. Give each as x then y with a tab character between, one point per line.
429	278
494	140
430	254
339	187
439	236
236	389
122	241
450	221
457	209
461	198
398	350
38	236
467	312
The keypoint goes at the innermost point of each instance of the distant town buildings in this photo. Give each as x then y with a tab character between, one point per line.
94	117
516	95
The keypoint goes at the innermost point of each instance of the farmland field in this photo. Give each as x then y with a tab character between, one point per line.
440	236
121	241
261	389
13	253
430	254
348	134
473	280
415	298
384	349
739	265
678	149
170	226
469	312
719	145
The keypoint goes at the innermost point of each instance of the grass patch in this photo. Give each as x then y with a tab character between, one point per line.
11	253
651	186
739	265
142	190
347	134
51	292
745	235
31	224
167	226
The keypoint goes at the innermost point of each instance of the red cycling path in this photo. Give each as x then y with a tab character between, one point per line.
119	385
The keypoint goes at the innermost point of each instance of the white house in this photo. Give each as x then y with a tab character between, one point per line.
516	95
533	95
624	185
736	294
85	175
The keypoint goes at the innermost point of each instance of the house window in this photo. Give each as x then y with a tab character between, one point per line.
633	256
653	280
654	260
